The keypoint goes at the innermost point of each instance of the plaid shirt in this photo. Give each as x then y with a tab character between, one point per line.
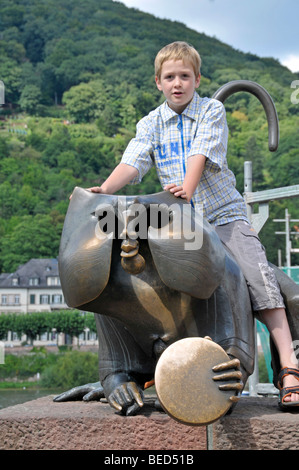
166	139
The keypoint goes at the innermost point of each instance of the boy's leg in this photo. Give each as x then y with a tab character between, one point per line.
243	242
277	324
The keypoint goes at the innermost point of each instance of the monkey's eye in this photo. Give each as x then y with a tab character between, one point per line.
108	221
159	215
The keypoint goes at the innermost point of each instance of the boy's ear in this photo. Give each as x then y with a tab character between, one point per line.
158	83
197	81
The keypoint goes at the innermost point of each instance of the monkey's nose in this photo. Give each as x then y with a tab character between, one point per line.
132	262
129	248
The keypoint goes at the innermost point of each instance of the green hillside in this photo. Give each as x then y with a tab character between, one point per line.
78	76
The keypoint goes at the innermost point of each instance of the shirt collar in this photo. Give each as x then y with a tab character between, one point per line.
190	111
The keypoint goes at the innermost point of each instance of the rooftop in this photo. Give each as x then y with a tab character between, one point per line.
33	273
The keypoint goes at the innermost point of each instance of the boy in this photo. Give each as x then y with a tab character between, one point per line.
186	139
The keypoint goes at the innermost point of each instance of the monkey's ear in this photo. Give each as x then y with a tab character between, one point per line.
85	251
188	253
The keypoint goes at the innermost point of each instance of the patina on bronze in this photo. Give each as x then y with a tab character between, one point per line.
187	386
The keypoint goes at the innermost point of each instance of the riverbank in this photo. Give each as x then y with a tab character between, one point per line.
49	367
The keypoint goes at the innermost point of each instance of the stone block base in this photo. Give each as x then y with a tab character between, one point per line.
44	424
254	424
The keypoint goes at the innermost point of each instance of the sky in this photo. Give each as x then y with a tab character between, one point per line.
267	28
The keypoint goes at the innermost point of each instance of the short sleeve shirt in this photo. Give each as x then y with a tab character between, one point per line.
166	140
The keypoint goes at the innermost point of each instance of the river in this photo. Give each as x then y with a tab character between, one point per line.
18	396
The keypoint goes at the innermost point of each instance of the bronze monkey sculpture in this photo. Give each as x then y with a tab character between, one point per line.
148	293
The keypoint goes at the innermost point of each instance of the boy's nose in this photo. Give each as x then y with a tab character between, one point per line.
177	81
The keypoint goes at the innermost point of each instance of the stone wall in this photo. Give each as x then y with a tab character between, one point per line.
255	423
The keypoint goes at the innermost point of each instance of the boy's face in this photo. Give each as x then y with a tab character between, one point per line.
177	82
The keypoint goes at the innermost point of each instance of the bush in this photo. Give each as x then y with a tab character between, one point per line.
71	369
25	366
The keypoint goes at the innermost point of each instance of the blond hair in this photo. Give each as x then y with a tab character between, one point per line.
178	50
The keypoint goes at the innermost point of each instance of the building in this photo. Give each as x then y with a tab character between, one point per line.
33	287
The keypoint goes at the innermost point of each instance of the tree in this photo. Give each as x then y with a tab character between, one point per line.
30	324
86	101
70	322
89	322
5	325
30	99
10	73
33	237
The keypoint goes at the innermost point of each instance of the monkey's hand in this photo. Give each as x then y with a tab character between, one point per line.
87	392
127	398
231	374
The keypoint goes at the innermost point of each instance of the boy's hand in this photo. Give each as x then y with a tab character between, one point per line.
178	191
94	189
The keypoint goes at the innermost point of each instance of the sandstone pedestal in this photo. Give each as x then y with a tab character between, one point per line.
44	424
255	424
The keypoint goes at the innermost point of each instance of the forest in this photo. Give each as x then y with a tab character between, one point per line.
77	78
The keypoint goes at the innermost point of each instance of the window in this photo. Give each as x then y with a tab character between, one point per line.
56	298
15	281
10	299
53	281
32	299
44	299
34	281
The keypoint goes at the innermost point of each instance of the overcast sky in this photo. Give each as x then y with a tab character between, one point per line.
267	28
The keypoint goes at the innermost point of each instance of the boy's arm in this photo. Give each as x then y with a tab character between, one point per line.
120	176
195	167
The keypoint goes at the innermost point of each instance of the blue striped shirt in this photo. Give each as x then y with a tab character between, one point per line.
166	139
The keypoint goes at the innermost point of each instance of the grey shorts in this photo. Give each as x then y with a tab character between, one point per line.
244	244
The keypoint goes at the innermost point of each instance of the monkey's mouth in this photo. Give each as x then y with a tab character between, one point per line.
131	260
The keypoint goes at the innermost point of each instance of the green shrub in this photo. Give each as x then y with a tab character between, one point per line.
71	369
25	366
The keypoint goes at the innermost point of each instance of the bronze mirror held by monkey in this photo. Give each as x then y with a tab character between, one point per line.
184	381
